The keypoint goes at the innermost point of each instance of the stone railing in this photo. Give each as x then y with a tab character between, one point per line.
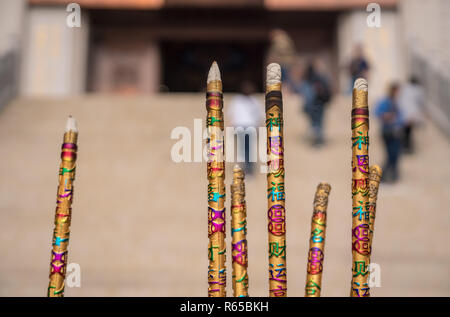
8	77
436	84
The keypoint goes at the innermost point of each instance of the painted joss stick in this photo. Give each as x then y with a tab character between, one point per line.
360	191
239	234
216	185
375	174
317	241
63	211
275	183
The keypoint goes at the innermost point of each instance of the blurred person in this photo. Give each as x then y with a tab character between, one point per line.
282	51
359	66
315	90
245	111
411	104
388	112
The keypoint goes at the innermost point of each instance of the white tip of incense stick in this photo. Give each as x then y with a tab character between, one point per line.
360	84
214	73
273	74
71	124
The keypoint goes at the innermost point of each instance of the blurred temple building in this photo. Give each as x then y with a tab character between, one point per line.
149	46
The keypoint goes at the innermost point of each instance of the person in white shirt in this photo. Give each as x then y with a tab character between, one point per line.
245	111
411	105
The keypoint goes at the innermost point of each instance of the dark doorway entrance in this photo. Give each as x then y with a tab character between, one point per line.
185	64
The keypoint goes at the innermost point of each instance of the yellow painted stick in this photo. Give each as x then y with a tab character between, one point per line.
360	191
275	183
317	241
239	247
216	185
63	214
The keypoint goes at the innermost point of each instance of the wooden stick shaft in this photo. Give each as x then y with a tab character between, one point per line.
375	174
360	195
276	192
216	191
61	233
317	241
239	247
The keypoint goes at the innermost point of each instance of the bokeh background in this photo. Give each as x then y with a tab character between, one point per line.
136	69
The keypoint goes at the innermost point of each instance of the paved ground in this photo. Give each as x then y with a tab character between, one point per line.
139	220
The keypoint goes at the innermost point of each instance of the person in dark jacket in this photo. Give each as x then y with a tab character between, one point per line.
388	112
316	94
359	66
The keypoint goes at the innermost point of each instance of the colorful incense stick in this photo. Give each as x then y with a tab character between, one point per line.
63	211
317	241
239	249
360	191
375	173
275	183
216	185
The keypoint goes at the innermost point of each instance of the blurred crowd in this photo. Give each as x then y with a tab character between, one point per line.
400	111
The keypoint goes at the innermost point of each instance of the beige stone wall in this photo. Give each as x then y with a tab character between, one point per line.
426	28
11	24
426	42
55	55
